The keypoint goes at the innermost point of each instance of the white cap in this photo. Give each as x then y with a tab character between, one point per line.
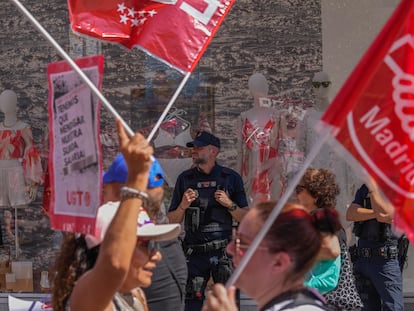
146	229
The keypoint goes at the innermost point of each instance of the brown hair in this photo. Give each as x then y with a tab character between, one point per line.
74	259
322	185
297	233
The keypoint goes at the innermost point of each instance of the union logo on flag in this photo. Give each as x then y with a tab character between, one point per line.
373	114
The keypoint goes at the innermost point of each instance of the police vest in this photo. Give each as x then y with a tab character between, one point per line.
213	216
373	230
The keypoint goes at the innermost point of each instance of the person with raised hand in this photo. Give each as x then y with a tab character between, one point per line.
102	271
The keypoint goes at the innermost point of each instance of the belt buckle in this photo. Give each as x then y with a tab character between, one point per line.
383	252
216	245
392	252
222	243
366	252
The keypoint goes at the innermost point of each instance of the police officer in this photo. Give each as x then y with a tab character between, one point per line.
375	257
207	198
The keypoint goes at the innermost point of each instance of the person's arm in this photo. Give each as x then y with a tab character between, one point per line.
378	203
356	212
383	210
330	247
324	276
237	212
95	289
236	204
380	210
177	215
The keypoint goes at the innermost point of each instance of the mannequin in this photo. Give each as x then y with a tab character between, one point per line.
20	166
327	157
321	84
259	163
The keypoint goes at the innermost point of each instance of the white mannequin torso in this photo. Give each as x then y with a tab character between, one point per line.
327	157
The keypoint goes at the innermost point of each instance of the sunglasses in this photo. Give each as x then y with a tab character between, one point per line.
150	245
299	189
317	85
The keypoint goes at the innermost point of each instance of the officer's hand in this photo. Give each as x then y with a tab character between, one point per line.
223	198
188	197
220	299
383	217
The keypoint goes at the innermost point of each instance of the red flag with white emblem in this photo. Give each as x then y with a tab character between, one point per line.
373	113
174	31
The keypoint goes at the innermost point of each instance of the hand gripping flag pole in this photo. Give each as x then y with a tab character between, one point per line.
325	133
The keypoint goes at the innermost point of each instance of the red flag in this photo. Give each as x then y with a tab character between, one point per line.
374	113
175	31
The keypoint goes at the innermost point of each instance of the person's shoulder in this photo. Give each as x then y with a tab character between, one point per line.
21	125
227	170
187	173
285	307
363	188
307	308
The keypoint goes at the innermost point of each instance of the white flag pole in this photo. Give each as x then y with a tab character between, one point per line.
90	83
73	65
275	212
168	107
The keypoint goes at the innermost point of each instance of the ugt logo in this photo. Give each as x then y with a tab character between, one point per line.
403	82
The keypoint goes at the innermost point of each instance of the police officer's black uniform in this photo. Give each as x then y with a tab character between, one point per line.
208	227
375	259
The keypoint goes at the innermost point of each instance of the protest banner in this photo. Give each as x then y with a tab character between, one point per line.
75	168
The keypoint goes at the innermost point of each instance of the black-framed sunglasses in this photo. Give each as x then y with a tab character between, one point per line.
299	189
151	245
317	85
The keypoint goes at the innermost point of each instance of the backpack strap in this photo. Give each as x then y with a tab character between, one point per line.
301	297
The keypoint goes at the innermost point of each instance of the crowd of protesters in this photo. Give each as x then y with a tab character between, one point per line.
134	262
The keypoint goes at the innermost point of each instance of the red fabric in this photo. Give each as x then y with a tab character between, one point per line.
169	32
374	113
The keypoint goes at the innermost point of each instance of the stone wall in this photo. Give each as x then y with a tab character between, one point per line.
279	38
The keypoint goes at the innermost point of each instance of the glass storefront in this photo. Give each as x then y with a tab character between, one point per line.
285	41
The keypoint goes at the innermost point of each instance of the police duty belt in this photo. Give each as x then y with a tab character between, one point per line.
206	247
387	252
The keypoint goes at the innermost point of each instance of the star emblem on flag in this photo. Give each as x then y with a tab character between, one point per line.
176	33
129	16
